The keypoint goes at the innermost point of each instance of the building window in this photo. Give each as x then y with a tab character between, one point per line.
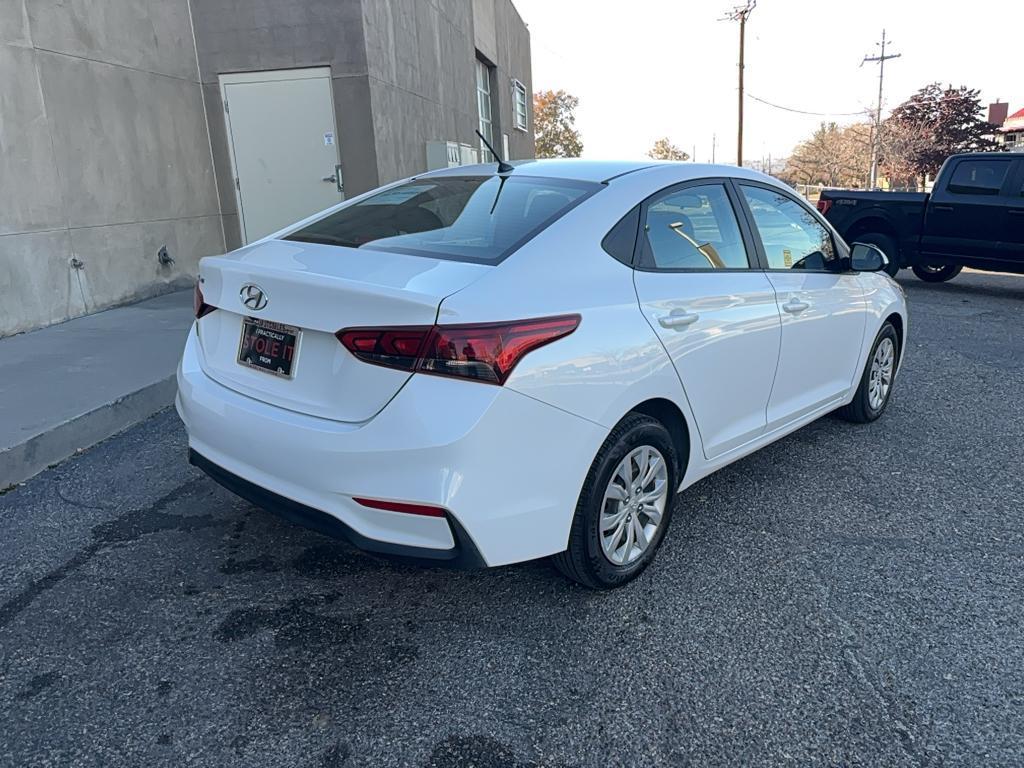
483	105
519	104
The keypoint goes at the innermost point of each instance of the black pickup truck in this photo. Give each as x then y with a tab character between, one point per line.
974	217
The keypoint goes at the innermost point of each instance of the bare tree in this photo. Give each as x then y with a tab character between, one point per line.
901	145
833	156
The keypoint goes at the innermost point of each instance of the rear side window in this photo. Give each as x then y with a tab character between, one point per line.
463	218
979	177
692	228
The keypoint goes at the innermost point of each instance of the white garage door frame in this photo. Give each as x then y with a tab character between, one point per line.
264	77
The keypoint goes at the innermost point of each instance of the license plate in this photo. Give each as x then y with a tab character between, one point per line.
268	347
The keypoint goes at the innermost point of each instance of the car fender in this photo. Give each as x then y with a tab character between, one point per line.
884	297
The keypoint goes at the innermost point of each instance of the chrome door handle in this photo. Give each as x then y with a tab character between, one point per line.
678	321
795	306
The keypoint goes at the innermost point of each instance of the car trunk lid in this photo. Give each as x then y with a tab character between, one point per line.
317	289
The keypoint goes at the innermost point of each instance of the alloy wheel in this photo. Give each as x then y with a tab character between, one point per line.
634	504
880	378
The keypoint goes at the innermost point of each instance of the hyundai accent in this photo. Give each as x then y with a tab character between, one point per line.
474	368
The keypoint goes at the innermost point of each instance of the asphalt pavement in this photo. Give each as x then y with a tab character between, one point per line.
852	595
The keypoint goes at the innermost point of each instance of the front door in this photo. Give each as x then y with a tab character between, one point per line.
964	217
1011	245
824	312
715	314
284	147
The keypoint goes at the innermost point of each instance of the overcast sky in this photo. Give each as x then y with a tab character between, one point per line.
643	69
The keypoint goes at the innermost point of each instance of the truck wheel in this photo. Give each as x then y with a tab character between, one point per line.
887	245
936	273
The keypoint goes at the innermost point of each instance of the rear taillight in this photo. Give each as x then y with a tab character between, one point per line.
824	205
199	304
483	352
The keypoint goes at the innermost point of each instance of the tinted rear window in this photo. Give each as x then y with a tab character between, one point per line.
466	218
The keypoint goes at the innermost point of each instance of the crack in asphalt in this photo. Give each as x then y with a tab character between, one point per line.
127	527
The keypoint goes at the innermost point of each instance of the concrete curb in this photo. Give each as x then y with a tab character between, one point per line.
21	462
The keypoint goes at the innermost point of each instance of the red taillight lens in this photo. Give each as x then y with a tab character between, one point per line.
393	347
824	205
199	305
401	506
487	352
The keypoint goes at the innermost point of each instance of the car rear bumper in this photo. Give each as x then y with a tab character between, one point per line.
463	554
507	468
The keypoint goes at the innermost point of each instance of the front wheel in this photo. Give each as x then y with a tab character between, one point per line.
876	382
936	273
625	506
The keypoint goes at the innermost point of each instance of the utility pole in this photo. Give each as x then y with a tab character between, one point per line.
740	13
714	143
876	138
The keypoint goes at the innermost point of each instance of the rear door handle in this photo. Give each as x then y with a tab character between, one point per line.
942	207
678	321
795	306
1015	211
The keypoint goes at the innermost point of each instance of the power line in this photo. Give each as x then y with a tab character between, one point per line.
804	111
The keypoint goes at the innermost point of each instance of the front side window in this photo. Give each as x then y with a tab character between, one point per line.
519	104
792	238
692	228
483	106
979	177
462	218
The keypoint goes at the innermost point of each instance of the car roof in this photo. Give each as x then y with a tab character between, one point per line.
599	170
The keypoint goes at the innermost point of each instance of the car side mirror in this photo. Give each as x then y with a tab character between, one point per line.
865	257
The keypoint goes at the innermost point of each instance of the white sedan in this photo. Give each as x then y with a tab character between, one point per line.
473	368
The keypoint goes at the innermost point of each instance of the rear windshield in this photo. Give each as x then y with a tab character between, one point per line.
465	218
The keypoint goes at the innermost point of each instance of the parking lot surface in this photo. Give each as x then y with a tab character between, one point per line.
850	595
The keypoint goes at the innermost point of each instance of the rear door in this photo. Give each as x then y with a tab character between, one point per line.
965	216
715	312
823	311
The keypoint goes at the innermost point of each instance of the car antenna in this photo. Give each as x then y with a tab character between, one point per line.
503	167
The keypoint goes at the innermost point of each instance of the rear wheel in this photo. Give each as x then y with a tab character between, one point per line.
936	273
625	506
876	382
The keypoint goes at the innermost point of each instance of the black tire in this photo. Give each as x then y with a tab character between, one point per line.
937	273
887	245
860	410
584	560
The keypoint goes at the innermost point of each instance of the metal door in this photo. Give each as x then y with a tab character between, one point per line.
284	149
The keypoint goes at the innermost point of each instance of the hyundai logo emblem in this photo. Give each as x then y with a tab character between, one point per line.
253	297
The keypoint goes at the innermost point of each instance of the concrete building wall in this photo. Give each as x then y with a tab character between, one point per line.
113	141
421	57
104	156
